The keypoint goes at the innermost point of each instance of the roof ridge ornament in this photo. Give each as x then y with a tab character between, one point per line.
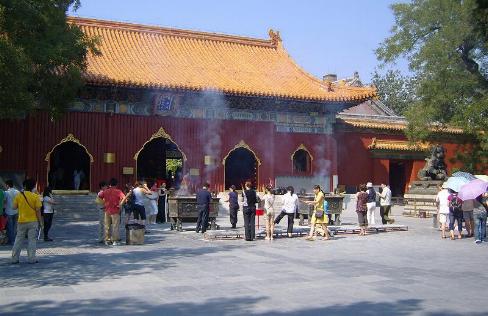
274	36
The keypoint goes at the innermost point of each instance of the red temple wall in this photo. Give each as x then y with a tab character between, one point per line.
25	144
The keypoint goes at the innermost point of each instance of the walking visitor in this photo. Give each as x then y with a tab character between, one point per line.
443	208
47	211
318	216
29	221
455	214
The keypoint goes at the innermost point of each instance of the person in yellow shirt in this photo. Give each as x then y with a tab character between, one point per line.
29	206
318	216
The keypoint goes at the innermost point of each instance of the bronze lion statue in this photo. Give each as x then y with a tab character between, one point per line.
435	167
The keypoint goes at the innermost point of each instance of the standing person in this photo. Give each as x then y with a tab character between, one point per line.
161	217
385	204
101	212
362	209
443	208
479	216
77	178
152	206
269	199
468	207
29	206
371	204
455	214
318	216
233	206
11	211
138	193
128	207
203	203
48	212
290	205
249	210
112	198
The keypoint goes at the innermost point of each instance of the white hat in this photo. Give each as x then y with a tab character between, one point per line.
444	185
369	185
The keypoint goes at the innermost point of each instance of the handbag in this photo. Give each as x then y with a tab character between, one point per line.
319	213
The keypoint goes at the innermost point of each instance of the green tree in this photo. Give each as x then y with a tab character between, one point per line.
395	89
446	45
42	56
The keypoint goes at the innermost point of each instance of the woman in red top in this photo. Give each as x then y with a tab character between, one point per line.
362	209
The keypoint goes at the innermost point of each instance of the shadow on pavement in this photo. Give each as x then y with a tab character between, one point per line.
68	269
220	306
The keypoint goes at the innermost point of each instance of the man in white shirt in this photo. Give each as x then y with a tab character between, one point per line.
12	213
385	204
443	208
290	205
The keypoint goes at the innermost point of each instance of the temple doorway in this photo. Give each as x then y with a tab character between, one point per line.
160	159
240	166
397	177
69	167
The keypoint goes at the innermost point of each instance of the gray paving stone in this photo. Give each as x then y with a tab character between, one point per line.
394	273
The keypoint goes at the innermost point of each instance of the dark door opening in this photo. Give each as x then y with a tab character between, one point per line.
160	159
301	161
241	166
69	167
397	177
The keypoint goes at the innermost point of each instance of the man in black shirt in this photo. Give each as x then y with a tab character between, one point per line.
203	205
249	211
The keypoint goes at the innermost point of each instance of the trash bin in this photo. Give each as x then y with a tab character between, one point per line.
134	234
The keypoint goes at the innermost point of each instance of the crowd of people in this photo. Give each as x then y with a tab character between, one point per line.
27	214
452	212
144	203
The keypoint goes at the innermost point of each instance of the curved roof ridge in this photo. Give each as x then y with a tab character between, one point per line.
318	81
135	27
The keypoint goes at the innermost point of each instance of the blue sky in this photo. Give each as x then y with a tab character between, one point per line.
321	36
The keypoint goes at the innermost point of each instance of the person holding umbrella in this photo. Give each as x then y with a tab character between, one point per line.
471	194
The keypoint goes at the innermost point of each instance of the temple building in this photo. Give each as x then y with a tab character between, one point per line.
189	107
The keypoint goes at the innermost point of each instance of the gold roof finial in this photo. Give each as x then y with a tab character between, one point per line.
274	36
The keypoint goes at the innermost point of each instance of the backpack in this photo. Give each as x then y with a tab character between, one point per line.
131	200
455	203
326	207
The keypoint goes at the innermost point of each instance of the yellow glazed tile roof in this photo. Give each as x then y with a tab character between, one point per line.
387	144
396	126
135	55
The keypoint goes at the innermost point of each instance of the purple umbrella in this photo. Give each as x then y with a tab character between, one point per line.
472	189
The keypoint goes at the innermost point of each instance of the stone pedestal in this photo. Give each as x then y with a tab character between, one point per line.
420	198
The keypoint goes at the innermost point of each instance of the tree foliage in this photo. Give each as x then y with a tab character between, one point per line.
395	89
446	45
42	57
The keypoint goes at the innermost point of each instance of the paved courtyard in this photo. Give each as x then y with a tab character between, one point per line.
393	273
